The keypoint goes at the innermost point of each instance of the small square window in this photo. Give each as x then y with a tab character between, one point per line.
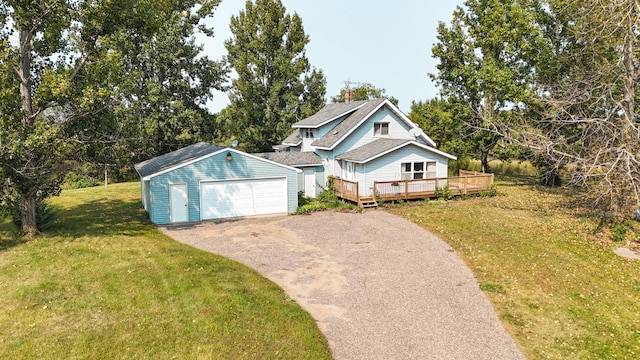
380	129
307	133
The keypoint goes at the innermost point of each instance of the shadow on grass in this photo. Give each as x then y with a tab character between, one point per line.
7	243
575	200
8	235
510	180
104	217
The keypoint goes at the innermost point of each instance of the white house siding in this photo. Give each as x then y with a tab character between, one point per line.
306	143
388	167
215	167
319	133
398	129
330	166
326	128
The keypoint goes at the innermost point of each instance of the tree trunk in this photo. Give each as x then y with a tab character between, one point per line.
28	203
550	178
485	162
25	77
28	214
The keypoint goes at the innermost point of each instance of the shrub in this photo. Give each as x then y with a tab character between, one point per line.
303	200
74	180
311	207
443	193
493	191
619	232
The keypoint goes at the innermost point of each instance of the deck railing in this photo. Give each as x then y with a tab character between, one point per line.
346	189
469	182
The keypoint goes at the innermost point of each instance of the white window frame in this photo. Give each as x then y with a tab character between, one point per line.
307	133
381	129
418	170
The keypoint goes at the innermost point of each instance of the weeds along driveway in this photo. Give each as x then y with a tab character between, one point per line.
380	287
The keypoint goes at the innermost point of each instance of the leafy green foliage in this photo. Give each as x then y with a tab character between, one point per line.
275	85
325	201
486	65
493	191
312	206
438	119
443	193
619	232
73	180
107	82
363	91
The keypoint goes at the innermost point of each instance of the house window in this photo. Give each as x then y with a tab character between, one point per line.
307	133
431	170
380	129
418	170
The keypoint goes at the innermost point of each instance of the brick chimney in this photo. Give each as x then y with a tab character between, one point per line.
348	95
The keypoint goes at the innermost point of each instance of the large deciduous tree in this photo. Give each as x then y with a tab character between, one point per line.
171	84
64	74
590	120
487	58
442	121
275	85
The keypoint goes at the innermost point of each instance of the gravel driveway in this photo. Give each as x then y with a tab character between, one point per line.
380	287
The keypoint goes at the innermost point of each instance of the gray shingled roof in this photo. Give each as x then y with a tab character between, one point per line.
174	158
293	139
373	149
292	158
328	112
347	124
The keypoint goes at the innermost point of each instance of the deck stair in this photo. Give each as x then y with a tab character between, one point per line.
367	202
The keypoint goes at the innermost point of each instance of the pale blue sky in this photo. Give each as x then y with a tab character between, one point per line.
386	43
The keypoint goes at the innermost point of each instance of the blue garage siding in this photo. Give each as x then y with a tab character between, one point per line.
215	167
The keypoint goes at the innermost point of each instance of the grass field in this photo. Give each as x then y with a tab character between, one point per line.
103	283
559	289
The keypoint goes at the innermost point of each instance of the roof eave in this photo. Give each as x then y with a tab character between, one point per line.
177	166
306	165
317	126
409	142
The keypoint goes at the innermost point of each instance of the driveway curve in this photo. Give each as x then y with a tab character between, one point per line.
379	286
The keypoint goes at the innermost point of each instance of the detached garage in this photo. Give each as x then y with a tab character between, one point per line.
206	182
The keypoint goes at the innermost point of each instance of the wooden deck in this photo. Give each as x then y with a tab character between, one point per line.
469	182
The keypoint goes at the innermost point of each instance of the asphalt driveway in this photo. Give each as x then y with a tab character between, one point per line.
380	287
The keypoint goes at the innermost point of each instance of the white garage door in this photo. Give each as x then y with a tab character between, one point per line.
222	199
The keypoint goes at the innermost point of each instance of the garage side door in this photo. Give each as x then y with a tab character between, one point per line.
247	197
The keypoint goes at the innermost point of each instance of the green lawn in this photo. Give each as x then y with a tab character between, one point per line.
560	291
104	283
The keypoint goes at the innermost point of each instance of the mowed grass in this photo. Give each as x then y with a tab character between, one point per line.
104	283
559	289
